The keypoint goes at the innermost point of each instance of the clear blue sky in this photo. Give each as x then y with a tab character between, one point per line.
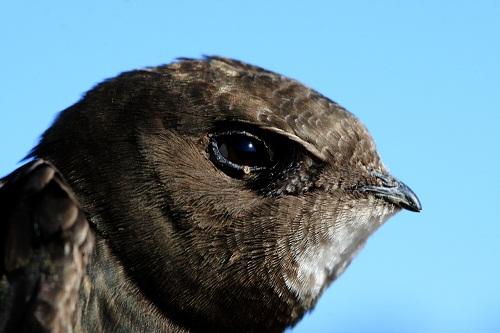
424	76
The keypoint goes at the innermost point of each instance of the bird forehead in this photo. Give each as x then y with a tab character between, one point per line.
250	94
286	106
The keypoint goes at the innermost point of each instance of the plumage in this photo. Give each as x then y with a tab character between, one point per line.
223	198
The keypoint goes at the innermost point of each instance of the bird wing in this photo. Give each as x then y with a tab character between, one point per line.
45	243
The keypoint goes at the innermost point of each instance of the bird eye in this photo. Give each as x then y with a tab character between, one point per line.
240	151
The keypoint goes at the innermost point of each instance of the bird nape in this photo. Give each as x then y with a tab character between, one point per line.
200	196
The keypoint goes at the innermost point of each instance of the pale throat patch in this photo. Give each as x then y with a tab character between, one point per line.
320	262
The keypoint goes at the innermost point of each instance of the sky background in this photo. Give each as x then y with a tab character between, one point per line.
424	77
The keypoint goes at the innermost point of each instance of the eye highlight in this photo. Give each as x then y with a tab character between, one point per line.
239	151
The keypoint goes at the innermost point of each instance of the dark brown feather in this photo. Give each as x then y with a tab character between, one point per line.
46	243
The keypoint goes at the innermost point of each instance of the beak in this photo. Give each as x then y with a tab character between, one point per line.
395	192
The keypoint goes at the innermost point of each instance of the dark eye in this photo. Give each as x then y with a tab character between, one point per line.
240	151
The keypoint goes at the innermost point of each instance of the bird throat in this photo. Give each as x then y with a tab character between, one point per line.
322	262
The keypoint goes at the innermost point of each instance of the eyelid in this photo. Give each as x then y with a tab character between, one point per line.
233	132
307	146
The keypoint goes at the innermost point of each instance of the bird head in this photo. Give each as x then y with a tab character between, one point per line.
232	195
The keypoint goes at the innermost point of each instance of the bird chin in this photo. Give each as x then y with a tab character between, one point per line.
320	264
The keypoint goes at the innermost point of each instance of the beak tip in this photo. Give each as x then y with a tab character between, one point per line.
414	206
411	202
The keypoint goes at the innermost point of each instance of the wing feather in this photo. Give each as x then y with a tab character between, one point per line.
45	243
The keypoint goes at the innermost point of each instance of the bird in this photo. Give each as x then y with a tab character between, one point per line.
204	195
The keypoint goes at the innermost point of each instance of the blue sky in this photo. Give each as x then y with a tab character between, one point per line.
424	76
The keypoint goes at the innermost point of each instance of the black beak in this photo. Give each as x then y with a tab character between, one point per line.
395	192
